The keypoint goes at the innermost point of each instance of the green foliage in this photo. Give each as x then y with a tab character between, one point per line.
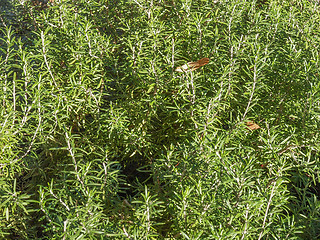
100	138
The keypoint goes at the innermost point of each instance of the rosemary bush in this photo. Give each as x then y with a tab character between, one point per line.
102	139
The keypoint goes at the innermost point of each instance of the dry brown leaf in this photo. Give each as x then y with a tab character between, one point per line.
252	125
191	66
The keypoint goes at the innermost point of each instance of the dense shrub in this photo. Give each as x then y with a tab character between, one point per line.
101	138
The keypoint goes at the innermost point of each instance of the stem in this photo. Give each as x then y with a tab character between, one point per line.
267	210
